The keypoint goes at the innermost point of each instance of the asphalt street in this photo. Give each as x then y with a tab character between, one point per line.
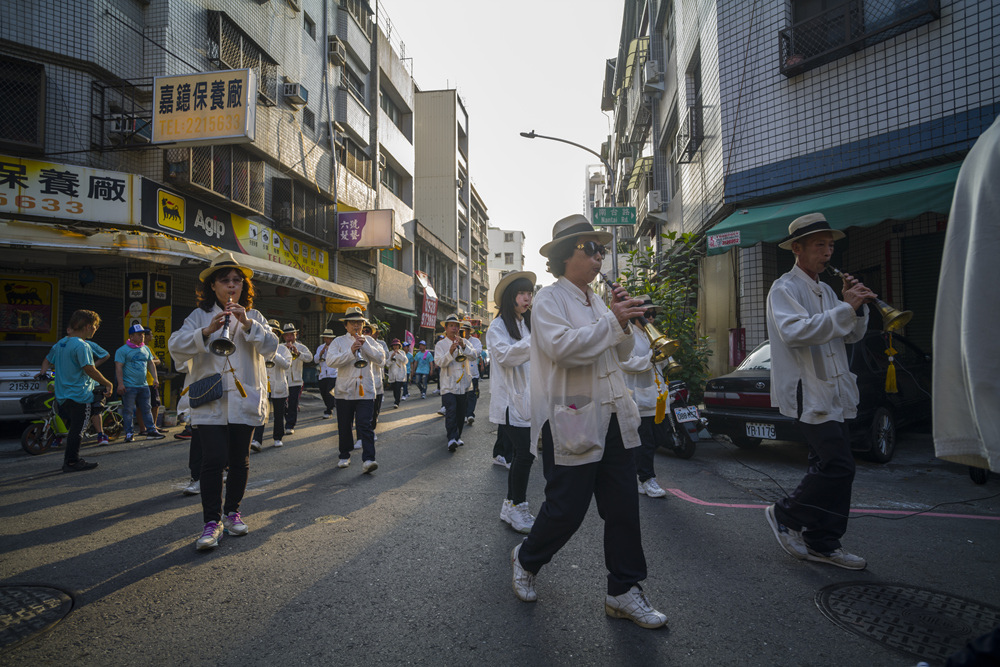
410	565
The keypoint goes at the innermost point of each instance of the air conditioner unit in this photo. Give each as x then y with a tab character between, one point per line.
337	50
296	93
124	127
652	77
653	202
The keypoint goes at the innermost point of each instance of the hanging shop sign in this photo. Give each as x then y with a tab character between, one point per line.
29	305
364	230
168	211
205	108
428	313
32	188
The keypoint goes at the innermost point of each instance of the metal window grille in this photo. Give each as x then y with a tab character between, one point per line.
309	119
227	171
231	48
22	115
294	206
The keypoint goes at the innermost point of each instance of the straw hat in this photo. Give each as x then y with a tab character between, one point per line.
222	261
508	279
275	327
354	314
289	328
571	227
328	333
451	318
804	225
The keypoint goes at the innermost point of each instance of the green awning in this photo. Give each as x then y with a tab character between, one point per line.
398	311
642	167
899	197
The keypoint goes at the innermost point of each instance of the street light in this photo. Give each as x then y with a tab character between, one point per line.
611	186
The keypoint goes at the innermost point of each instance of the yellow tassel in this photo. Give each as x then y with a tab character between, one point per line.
661	408
890	374
361	390
239	386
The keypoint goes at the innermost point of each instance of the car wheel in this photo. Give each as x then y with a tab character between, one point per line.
743	442
979	475
882	436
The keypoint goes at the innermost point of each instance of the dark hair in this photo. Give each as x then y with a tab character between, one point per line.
558	256
206	295
508	306
82	318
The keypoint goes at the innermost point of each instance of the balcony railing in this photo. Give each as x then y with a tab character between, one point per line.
690	135
848	27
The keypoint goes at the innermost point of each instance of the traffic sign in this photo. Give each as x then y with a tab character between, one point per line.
614	215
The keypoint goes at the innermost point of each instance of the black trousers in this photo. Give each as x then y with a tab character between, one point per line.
222	446
502	445
376	410
454	414
278	408
326	387
292	409
820	505
194	455
75	415
568	490
397	390
519	442
358	413
647	450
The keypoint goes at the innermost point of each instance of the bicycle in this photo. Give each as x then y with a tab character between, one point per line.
42	434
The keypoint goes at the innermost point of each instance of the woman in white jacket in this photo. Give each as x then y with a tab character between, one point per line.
397	368
509	342
226	424
278	391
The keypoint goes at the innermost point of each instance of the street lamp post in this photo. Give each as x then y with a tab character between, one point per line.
611	186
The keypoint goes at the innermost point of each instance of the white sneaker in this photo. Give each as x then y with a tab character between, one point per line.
634	606
790	540
452	445
469	421
524	581
368	466
395	405
404	398
210	536
499	460
375	436
327	416
443	411
460	442
343	463
192	489
233	523
652	489
254	445
838	557
357	445
289	431
521	519
505	510
279	443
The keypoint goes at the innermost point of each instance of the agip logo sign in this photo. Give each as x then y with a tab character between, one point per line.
170	211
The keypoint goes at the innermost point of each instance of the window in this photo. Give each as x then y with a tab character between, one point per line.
309	119
228	171
389	257
497	255
508	258
352	82
359	10
391	179
22	88
355	159
309	25
390	109
508	237
297	206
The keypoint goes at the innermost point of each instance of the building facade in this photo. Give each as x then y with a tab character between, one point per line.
506	255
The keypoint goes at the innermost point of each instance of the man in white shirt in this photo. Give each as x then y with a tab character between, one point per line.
300	355
473	393
453	355
587	421
811	381
355	356
327	374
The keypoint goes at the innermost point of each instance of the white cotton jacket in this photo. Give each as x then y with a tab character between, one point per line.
294	372
577	346
379	371
276	377
252	348
641	375
510	374
478	345
397	365
808	326
354	384
320	358
456	376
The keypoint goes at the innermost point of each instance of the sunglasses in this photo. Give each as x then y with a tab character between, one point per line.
590	248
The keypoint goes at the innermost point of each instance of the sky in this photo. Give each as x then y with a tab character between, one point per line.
518	66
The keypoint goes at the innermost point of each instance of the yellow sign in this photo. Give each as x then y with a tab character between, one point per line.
29	304
170	211
264	242
206	108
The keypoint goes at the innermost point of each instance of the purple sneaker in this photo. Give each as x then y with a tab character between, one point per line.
234	524
210	536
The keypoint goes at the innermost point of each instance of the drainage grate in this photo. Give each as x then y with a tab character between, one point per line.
923	623
26	611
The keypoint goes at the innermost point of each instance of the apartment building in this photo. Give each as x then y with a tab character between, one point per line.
506	255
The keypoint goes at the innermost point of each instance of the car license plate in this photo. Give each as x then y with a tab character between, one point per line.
760	431
25	385
688	414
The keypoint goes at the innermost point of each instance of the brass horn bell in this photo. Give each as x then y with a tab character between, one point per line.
663	347
892	318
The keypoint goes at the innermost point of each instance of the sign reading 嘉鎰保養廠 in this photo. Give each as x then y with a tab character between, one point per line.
205	108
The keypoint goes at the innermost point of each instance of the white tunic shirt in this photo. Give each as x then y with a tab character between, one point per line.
456	376
808	326
294	372
577	346
478	345
510	374
276	377
320	358
354	384
641	375
188	345
397	366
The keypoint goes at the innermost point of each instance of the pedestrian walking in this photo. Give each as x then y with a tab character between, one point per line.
226	391
811	382
72	361
643	378
472	396
586	420
453	356
300	355
423	365
408	351
133	361
355	357
327	374
277	391
397	368
509	340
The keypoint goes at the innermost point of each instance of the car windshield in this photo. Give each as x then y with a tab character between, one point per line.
759	359
19	356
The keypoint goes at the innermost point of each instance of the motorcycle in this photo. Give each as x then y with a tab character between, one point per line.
679	430
48	432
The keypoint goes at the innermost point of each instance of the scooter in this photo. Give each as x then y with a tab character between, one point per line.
679	429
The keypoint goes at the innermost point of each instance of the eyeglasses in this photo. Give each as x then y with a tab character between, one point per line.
592	247
231	281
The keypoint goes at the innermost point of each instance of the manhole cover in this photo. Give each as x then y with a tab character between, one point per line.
927	624
26	611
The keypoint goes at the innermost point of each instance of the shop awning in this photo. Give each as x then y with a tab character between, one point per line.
899	197
162	249
399	311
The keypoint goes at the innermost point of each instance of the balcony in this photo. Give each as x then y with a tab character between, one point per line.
849	27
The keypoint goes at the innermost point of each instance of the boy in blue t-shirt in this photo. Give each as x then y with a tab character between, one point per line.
132	361
75	379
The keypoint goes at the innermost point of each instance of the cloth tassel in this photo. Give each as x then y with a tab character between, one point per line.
890	374
661	409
